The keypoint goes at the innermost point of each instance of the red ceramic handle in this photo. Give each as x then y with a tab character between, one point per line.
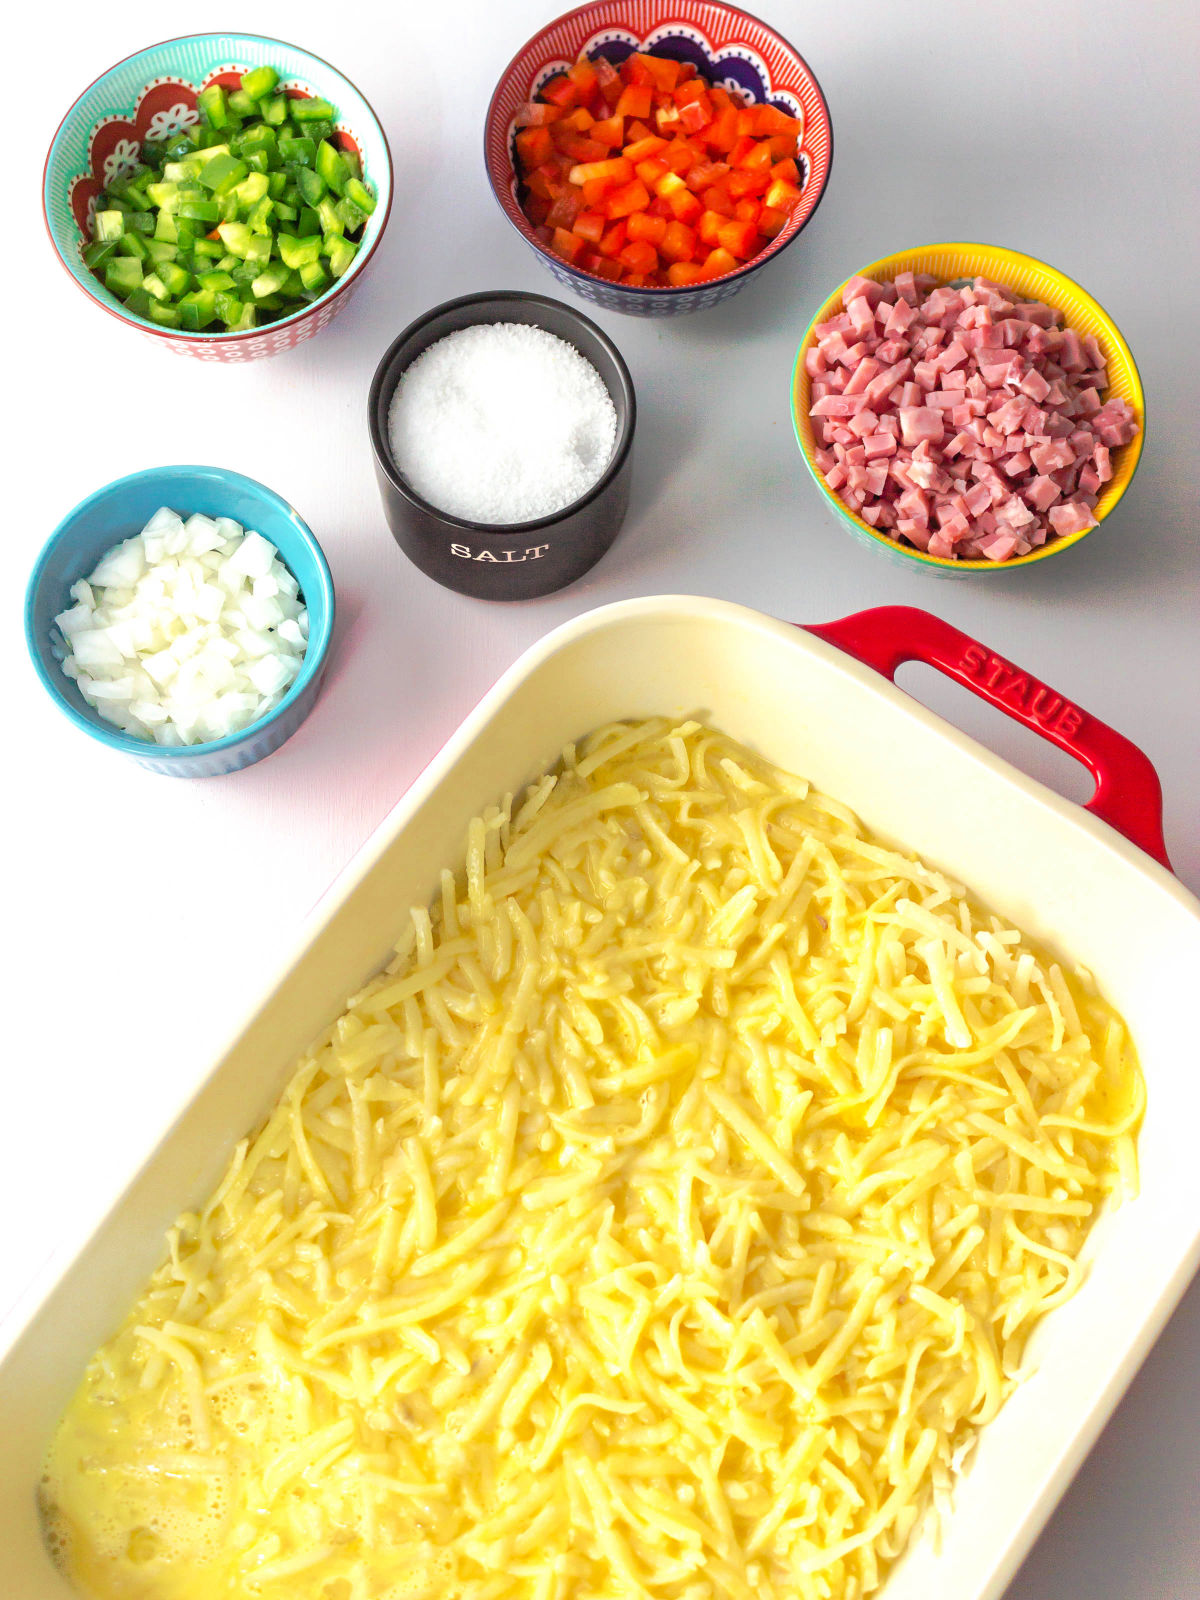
1128	795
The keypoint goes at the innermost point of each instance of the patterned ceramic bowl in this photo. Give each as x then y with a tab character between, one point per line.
727	46
1034	280
118	511
153	94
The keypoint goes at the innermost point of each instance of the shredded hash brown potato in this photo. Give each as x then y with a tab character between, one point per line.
663	1223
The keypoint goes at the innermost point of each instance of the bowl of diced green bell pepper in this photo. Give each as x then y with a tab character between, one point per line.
222	193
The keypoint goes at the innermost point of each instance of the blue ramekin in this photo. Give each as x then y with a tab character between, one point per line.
118	511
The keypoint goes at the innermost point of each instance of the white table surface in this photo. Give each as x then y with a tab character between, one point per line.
144	914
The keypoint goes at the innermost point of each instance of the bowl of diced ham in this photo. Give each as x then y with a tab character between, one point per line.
967	408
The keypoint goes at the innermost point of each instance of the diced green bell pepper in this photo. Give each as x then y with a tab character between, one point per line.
108	225
331	167
259	81
314	278
98	252
352	217
197	309
299	252
214	106
341	253
358	193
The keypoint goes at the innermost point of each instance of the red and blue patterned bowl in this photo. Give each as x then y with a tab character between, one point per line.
153	94
727	46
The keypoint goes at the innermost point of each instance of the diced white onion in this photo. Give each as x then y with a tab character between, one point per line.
187	632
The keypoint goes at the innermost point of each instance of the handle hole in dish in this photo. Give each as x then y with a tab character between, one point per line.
1026	750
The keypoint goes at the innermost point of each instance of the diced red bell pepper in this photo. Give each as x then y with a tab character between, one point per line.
681	156
635	101
582	150
646	227
594	191
678	242
769	120
742	182
685	206
567	245
783	196
739	238
604	268
640	257
718	262
610	131
701	174
689	93
615	169
651	170
608	79
583	76
614	238
534	145
664	73
705	172
590	225
537	208
697	115
563	212
721	133
717	198
645	149
624	201
560	91
709	227
758	158
536	114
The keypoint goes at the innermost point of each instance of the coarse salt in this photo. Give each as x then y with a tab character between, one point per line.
502	423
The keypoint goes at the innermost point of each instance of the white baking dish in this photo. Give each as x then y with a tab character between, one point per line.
1059	873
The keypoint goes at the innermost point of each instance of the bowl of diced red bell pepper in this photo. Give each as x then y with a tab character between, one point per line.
655	157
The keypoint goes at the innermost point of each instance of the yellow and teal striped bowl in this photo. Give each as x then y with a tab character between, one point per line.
1033	280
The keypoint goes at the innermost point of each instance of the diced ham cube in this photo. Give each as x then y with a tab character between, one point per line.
1073	517
862	317
871	291
1052	457
860	378
999	546
1041	493
921	423
879	444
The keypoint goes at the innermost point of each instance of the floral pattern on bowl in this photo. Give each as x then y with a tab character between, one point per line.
153	95
728	47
